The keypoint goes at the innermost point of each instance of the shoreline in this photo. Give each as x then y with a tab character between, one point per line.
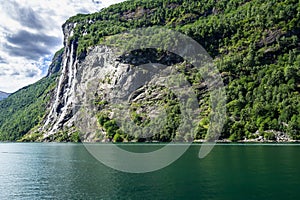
155	142
250	141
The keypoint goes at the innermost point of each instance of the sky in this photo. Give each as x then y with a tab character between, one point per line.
30	34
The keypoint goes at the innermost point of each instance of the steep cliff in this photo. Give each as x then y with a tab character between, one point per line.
254	44
102	77
55	65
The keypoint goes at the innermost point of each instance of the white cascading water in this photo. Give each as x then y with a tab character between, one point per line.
55	117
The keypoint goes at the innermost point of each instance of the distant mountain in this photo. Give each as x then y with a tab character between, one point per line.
3	95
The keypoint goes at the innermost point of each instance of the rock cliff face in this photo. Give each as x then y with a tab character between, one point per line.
100	80
56	63
92	78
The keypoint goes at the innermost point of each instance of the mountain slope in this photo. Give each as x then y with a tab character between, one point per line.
23	110
255	45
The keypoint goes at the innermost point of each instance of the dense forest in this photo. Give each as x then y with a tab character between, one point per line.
25	109
254	43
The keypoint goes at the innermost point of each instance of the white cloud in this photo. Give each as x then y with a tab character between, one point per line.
30	33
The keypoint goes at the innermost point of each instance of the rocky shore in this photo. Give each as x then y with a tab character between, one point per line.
269	136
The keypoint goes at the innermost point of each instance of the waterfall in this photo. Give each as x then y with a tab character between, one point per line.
64	94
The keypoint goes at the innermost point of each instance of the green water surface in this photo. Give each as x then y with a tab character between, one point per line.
68	171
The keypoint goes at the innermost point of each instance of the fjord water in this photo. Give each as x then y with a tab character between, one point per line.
68	171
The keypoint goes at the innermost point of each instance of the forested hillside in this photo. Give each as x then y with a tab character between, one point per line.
23	110
254	43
